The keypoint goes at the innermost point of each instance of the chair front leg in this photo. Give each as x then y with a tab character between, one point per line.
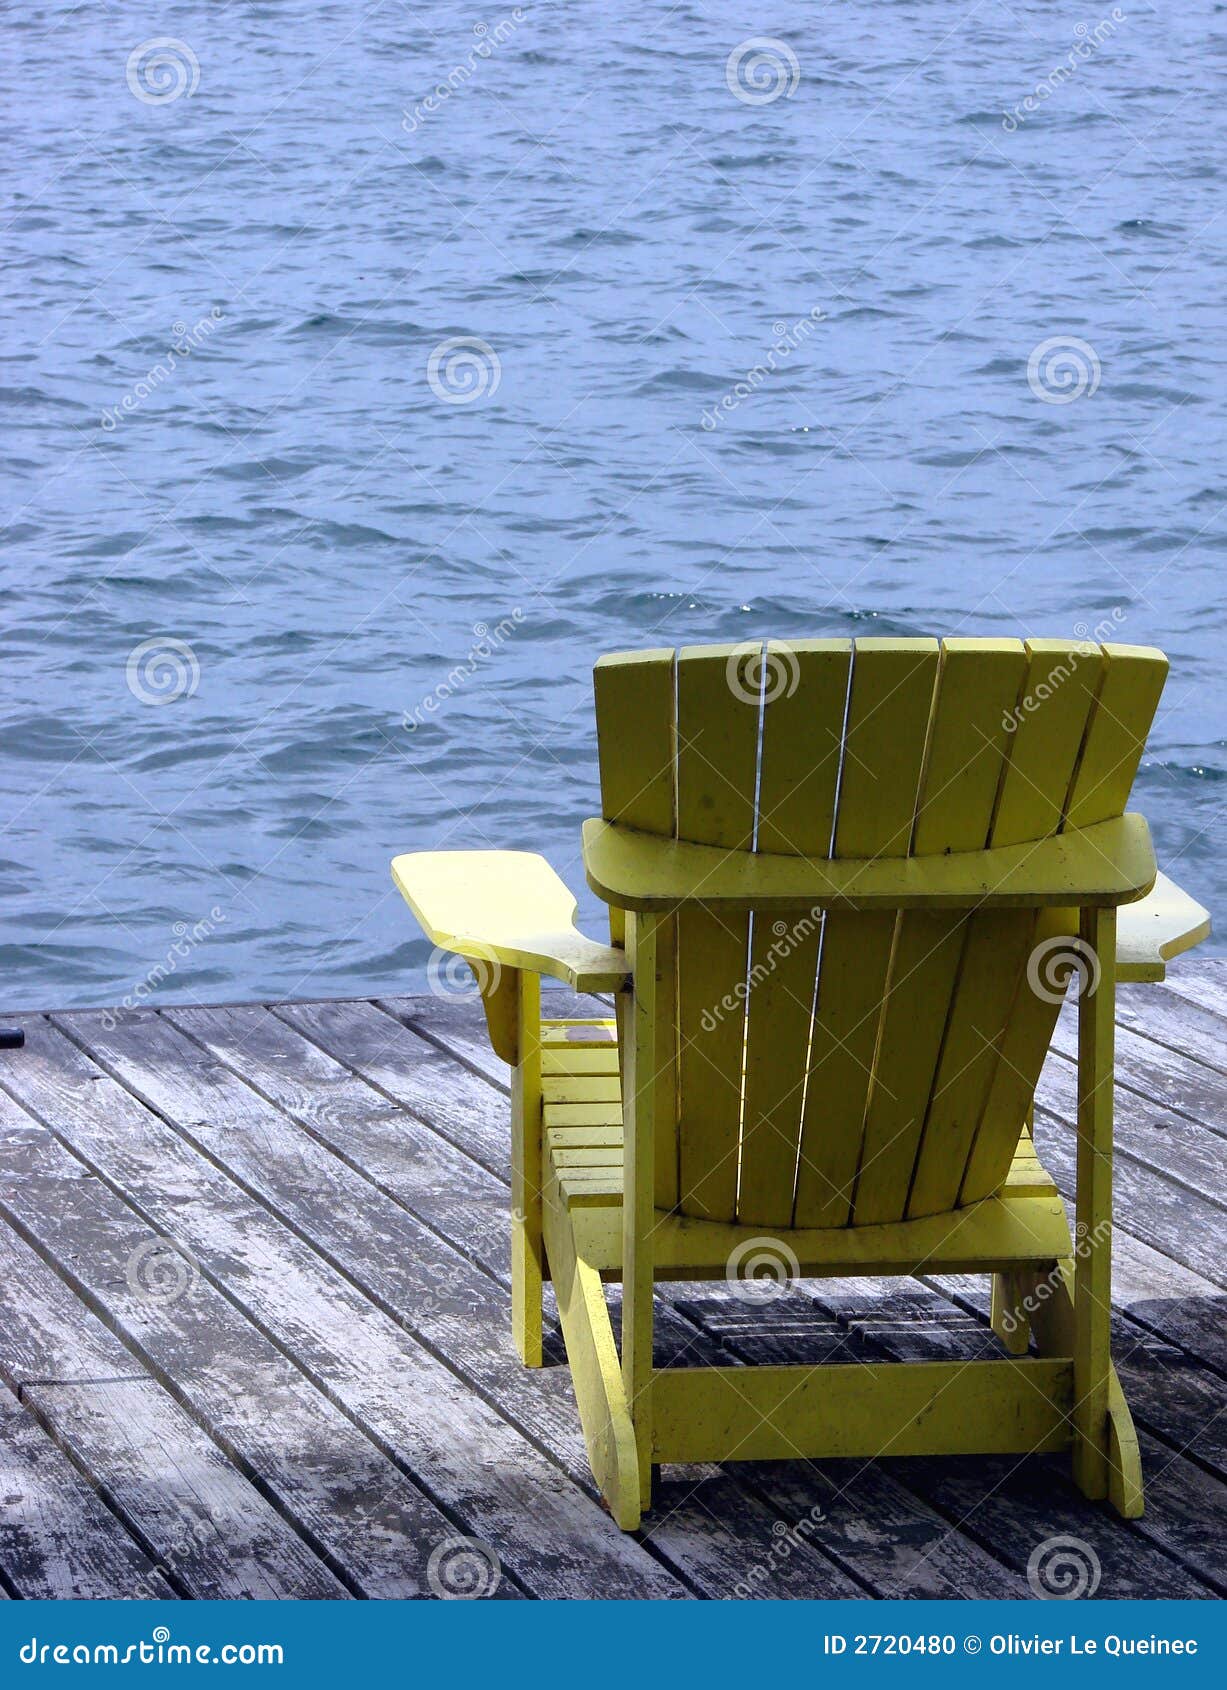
1093	1243
527	1173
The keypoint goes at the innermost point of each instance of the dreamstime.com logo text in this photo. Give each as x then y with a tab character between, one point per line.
1054	1282
1089	640
488	38
489	640
185	940
785	939
787	1539
187	341
1088	38
789	338
156	1650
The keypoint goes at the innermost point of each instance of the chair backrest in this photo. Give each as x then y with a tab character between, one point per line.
853	1068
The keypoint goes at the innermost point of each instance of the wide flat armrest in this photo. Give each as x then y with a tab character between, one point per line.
1104	865
506	907
1150	933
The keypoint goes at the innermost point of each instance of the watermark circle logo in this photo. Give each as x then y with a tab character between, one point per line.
1063	1569
1055	962
462	977
162	670
463	369
159	1271
762	69
755	677
463	1569
1063	369
161	70
761	1269
160	1634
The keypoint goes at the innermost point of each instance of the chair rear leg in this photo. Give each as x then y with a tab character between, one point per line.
1051	1298
1124	1457
1009	1308
1008	1313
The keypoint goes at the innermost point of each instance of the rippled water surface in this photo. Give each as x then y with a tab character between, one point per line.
231	260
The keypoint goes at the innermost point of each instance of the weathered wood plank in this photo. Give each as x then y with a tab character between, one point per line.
866	1519
472	1334
57	1537
1176	1220
1150	1079
1157	1292
1180	1403
883	1512
209	1529
308	1111
1200	980
343	1494
452	1024
197	1516
551	1538
919	1325
1159	1014
398	1152
1005	1505
1195	1324
1149	1133
375	1045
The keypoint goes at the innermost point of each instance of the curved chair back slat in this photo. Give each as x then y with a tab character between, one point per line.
858	1068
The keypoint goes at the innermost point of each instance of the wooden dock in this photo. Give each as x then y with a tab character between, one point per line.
255	1337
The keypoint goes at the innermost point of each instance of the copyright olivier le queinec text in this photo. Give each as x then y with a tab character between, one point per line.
1113	1644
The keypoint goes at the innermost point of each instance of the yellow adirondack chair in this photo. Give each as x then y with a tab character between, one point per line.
847	885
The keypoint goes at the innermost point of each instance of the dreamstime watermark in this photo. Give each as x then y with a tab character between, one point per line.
787	1539
463	1569
1063	368
462	978
186	939
761	1269
161	1271
437	1295
186	342
1057	961
489	641
756	677
1043	1290
463	369
488	38
161	70
1062	1569
786	936
1088	39
156	1650
787	339
161	670
1089	640
196	1537
762	69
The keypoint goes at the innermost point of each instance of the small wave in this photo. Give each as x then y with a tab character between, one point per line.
685	381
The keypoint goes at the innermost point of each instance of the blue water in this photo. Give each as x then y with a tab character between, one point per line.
292	502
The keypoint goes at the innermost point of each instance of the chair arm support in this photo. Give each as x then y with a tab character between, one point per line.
1161	926
506	910
1100	866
